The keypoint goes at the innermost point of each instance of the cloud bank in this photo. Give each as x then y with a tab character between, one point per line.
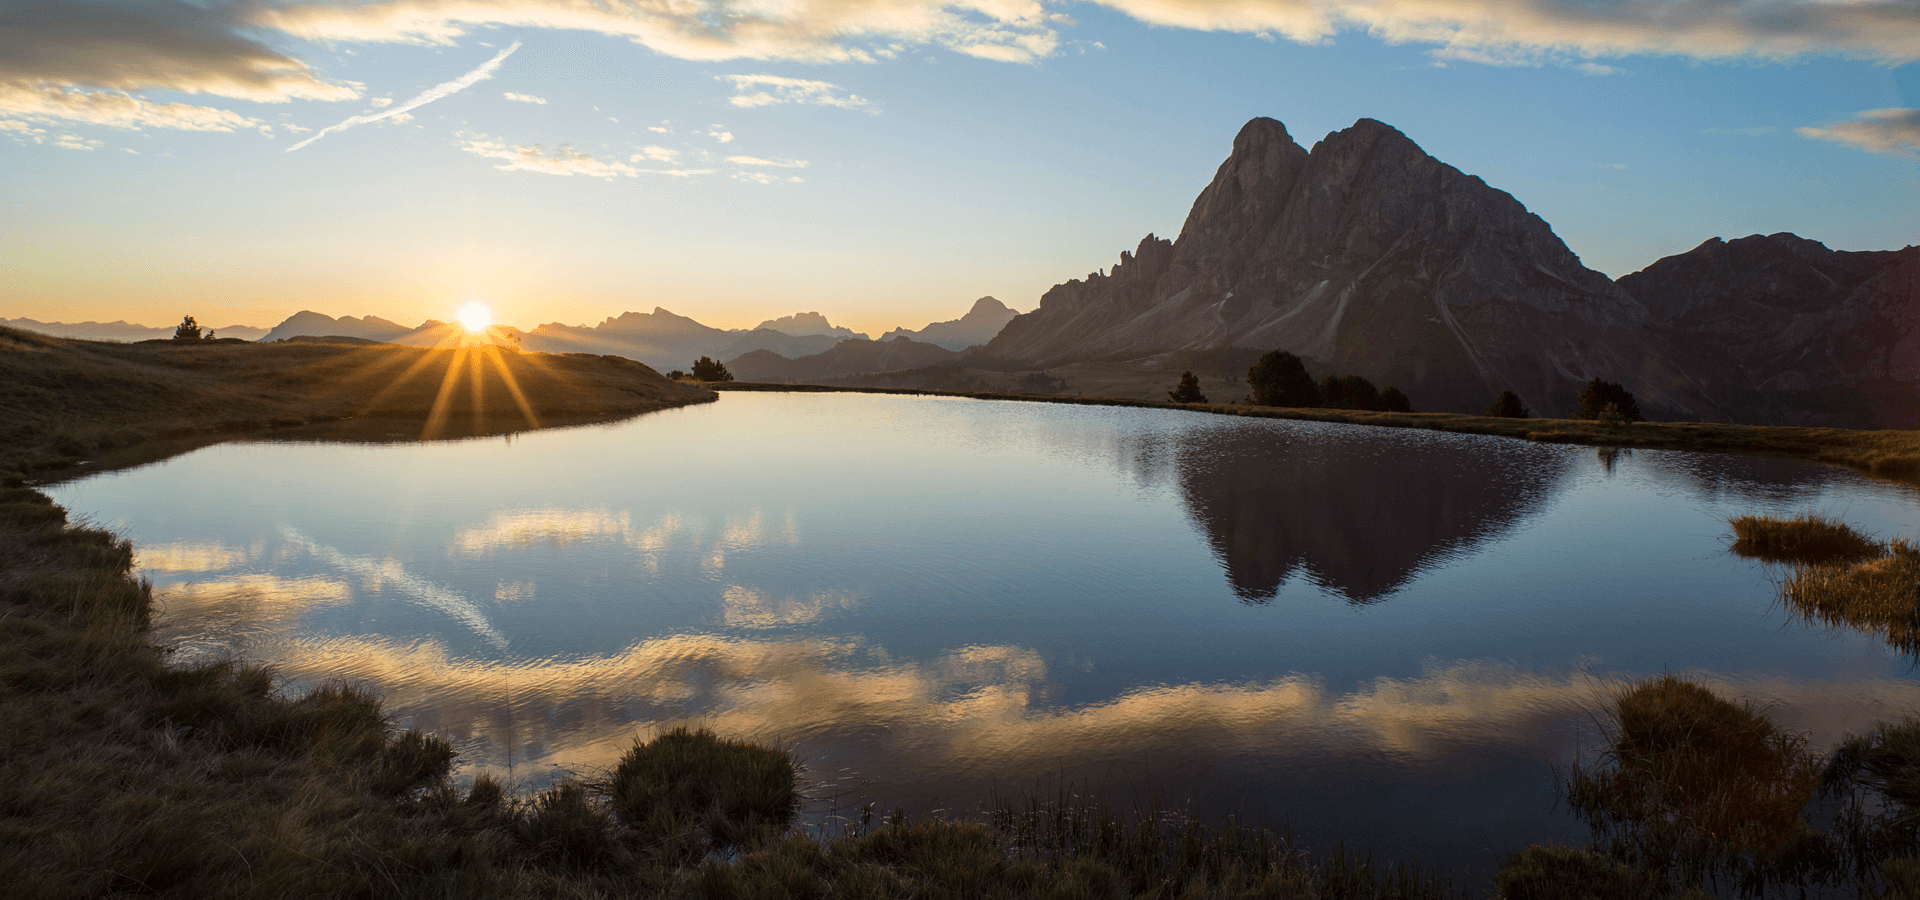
1490	31
482	73
1891	131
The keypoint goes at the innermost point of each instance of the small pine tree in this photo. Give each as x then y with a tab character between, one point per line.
1188	390
1279	378
1598	394
676	375
706	369
187	330
1508	406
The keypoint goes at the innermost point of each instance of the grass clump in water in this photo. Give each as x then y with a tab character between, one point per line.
1881	594
1692	784
1806	538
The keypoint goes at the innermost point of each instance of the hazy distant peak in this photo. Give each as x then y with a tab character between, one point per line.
977	327
806	324
313	324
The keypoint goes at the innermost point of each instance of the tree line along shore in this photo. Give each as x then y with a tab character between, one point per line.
122	775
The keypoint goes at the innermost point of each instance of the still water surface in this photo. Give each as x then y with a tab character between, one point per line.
1389	636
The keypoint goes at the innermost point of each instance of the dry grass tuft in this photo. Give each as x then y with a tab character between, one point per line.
1806	538
1686	762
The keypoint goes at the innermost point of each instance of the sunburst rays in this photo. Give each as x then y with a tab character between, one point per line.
459	355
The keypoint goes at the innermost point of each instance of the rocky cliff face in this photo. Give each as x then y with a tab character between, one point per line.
1780	329
1366	256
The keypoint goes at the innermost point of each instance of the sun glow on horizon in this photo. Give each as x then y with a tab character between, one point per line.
475	316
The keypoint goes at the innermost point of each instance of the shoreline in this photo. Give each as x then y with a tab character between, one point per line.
1886	454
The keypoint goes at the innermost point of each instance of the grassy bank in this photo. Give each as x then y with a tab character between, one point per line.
1893	455
1839	577
63	401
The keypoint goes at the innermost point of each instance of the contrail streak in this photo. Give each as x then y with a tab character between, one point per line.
484	72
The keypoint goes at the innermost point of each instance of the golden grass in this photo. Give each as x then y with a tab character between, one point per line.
1880	595
1687	762
1893	455
1806	538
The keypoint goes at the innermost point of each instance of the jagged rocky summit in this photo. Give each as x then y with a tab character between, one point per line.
1367	256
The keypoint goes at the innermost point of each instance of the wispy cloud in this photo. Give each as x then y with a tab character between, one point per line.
525	98
764	178
757	161
564	161
568	161
719	134
767	90
1891	131
657	154
482	73
46	102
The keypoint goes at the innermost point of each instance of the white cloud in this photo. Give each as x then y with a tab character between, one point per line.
483	72
766	90
764	178
1597	69
1890	131
756	161
524	98
114	109
381	102
723	137
657	154
564	161
76	142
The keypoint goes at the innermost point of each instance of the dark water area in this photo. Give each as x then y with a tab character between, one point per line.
1388	637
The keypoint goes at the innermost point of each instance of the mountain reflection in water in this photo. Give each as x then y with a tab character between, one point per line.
1356	514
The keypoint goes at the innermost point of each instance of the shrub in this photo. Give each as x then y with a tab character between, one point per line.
1685	764
1564	873
1348	392
1598	395
683	781
1394	400
676	375
1508	406
706	369
1281	379
1188	391
187	330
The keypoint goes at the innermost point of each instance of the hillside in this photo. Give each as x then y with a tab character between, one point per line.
65	400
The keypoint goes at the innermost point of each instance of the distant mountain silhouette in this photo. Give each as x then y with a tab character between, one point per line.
1353	513
122	331
1780	329
846	358
308	322
809	323
977	327
780	343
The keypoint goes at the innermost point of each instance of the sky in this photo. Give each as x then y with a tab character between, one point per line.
884	162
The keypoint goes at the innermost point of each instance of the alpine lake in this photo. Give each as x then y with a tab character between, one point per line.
1397	639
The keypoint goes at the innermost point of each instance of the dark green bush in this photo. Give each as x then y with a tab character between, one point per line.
1508	406
1348	392
1281	379
1392	399
1599	394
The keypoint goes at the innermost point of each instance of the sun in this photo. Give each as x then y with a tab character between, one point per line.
475	317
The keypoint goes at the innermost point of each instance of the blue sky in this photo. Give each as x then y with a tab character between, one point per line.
881	162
